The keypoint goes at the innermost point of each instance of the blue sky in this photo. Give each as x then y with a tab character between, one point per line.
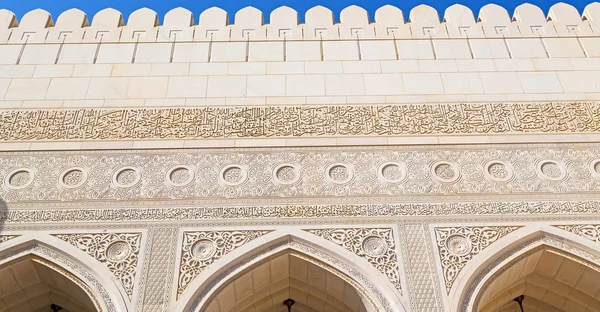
55	7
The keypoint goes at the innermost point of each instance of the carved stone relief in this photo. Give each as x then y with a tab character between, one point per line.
589	231
296	121
201	249
127	214
159	269
422	280
118	251
376	245
236	174
458	245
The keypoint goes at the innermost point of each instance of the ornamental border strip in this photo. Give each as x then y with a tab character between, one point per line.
298	121
300	175
570	208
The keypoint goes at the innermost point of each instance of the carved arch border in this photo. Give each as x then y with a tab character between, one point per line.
63	258
498	257
379	293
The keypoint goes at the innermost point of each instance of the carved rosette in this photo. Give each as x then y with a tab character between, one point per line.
201	249
118	251
375	245
458	245
588	231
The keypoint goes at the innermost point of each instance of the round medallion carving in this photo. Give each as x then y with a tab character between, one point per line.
374	246
551	170
339	173
445	171
286	174
498	171
595	168
19	178
233	175
73	177
126	177
459	245
180	176
118	251
203	249
392	172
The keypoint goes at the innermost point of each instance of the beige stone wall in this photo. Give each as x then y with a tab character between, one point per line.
73	64
354	62
367	165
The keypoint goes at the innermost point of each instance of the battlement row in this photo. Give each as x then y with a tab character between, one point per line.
179	25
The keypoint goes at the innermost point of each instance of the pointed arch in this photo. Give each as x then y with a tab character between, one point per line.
378	293
484	268
93	278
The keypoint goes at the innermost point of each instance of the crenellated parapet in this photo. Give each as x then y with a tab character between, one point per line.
179	24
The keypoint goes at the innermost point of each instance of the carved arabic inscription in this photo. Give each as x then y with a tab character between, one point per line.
338	120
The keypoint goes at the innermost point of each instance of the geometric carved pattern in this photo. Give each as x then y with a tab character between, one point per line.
201	249
420	272
158	269
307	173
334	120
589	231
118	251
458	245
375	245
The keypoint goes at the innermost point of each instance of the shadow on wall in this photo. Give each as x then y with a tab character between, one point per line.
3	217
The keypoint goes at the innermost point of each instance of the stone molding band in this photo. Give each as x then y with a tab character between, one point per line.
220	176
237	213
298	121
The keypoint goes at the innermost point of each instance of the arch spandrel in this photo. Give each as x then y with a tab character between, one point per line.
90	278
377	291
537	253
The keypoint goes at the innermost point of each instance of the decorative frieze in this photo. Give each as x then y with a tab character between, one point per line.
201	249
128	214
376	245
298	121
118	251
300	173
458	245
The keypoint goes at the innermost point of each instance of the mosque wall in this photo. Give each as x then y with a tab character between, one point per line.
424	67
423	165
